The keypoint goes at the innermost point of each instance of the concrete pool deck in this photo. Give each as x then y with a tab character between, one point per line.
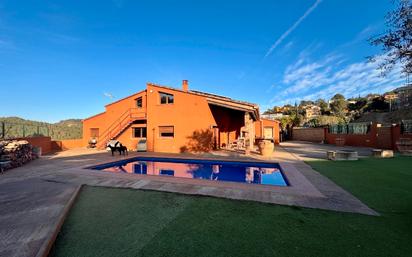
33	197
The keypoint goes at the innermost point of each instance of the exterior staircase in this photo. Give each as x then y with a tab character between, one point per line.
119	125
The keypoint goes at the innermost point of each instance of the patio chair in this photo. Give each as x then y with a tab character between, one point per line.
241	144
238	144
232	145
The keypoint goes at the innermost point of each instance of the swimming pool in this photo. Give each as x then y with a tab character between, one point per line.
241	172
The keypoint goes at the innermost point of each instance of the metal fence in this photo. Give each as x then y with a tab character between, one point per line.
360	128
406	127
16	130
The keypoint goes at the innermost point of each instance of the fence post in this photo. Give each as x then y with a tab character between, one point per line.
3	129
24	132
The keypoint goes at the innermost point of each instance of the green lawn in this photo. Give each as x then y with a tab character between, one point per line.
122	222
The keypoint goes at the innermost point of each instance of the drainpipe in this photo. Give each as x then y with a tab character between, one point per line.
261	129
153	139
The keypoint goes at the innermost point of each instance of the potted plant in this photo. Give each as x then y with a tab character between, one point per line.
265	146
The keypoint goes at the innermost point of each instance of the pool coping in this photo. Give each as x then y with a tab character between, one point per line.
307	187
296	181
48	243
181	160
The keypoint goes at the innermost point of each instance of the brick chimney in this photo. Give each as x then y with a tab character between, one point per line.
185	85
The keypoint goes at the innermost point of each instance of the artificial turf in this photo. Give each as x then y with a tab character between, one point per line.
123	222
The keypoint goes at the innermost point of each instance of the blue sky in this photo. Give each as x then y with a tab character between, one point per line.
59	58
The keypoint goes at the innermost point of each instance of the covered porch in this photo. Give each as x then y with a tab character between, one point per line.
234	128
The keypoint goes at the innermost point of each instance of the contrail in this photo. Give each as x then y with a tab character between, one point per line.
294	26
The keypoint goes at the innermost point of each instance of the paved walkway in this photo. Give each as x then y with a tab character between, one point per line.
307	151
33	197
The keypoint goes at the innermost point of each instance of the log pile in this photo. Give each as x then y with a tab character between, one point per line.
14	153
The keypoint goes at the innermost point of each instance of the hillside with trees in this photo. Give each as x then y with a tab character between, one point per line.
12	127
391	107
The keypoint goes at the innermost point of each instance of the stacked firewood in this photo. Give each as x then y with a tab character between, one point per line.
14	153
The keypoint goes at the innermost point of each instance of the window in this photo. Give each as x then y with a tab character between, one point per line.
167	172
94	132
166	98
139	132
139	102
166	131
268	132
140	168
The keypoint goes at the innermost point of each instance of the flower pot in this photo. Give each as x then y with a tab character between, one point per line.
266	147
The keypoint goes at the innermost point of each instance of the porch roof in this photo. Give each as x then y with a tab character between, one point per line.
235	106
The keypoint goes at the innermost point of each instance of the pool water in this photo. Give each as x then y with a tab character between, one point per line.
241	172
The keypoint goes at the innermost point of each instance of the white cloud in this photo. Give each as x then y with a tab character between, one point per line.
325	77
301	76
293	27
363	35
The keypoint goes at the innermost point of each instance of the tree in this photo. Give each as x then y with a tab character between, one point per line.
396	42
292	120
18	127
268	111
378	104
338	105
324	120
359	104
303	103
296	120
313	123
284	121
323	105
337	96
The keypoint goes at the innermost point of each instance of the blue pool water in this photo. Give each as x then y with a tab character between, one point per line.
242	172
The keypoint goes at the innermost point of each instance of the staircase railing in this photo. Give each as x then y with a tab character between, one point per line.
119	125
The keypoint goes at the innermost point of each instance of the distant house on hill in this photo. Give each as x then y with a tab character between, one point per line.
312	111
370	97
274	116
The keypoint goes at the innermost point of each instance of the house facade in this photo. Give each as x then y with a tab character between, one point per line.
268	129
176	120
312	111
